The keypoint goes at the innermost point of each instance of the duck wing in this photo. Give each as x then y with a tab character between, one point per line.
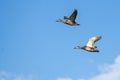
92	41
73	16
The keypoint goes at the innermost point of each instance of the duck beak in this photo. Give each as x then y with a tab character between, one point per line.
74	48
59	20
77	47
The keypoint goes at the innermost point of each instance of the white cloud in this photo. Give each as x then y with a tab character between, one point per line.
107	72
9	76
81	79
68	79
64	79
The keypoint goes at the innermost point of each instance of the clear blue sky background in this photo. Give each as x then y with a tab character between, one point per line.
31	42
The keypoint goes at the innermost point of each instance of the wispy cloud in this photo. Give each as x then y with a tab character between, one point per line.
68	79
64	79
107	72
9	76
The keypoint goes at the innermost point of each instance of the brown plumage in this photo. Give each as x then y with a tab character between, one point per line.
70	20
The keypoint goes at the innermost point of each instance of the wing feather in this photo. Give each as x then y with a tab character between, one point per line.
92	41
73	16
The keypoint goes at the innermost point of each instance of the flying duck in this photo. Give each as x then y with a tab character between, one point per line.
90	45
71	20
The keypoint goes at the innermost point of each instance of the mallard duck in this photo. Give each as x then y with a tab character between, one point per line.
70	20
90	45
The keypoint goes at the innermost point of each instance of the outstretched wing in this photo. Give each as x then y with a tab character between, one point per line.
73	16
92	41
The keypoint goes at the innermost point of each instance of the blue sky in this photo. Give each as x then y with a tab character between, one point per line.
33	44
